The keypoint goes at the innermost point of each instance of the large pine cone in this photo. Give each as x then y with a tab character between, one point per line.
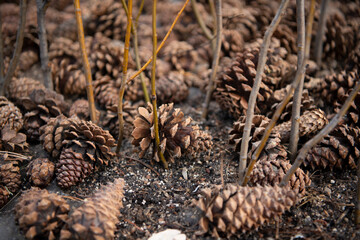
172	88
22	87
339	149
10	115
109	18
40	171
41	214
271	172
98	216
310	123
177	136
10	176
40	106
238	209
234	86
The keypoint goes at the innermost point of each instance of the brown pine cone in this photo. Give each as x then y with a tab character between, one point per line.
27	59
40	106
339	149
22	87
111	121
134	90
271	172
80	109
172	88
109	18
287	37
181	55
310	123
232	42
98	216
177	136
4	196
238	209
13	141
40	171
10	176
10	115
41	214
106	94
234	86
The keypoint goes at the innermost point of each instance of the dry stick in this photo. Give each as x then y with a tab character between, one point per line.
321	31
161	44
318	137
89	87
213	13
18	47
1	53
272	123
295	113
153	89
254	92
202	25
357	206
215	61
124	75
136	47
309	26
41	6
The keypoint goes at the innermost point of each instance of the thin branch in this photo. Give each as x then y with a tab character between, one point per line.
153	89
310	22
318	137
1	53
215	61
272	123
254	92
124	76
161	44
44	57
18	47
295	114
89	87
321	31
213	13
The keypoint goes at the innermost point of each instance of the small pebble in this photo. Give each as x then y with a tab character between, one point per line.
308	220
327	191
332	181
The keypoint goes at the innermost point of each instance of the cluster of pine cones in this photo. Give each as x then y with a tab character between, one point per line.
59	120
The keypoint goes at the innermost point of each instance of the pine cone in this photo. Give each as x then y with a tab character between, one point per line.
22	87
338	149
10	176
106	94
10	115
232	42
40	106
98	216
109	18
271	172
13	141
287	37
80	109
134	90
111	121
234	86
181	55
238	209
41	214
4	196
309	124
40	171
172	88
177	137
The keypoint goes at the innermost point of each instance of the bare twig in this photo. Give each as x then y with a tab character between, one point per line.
124	76
161	44
215	61
89	87
318	137
41	6
295	114
18	47
213	13
310	22
202	25
254	92
153	89
321	31
272	123
1	53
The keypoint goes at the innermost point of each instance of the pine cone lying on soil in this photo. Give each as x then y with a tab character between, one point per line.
177	137
106	94
10	115
40	172
41	214
13	141
238	209
22	87
80	109
10	180
98	216
339	149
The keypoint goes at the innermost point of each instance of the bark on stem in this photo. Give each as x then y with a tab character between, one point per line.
310	22
272	123
318	137
1	53
321	31
252	100
18	47
89	87
124	76
215	61
295	114
161	44
153	89
41	6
